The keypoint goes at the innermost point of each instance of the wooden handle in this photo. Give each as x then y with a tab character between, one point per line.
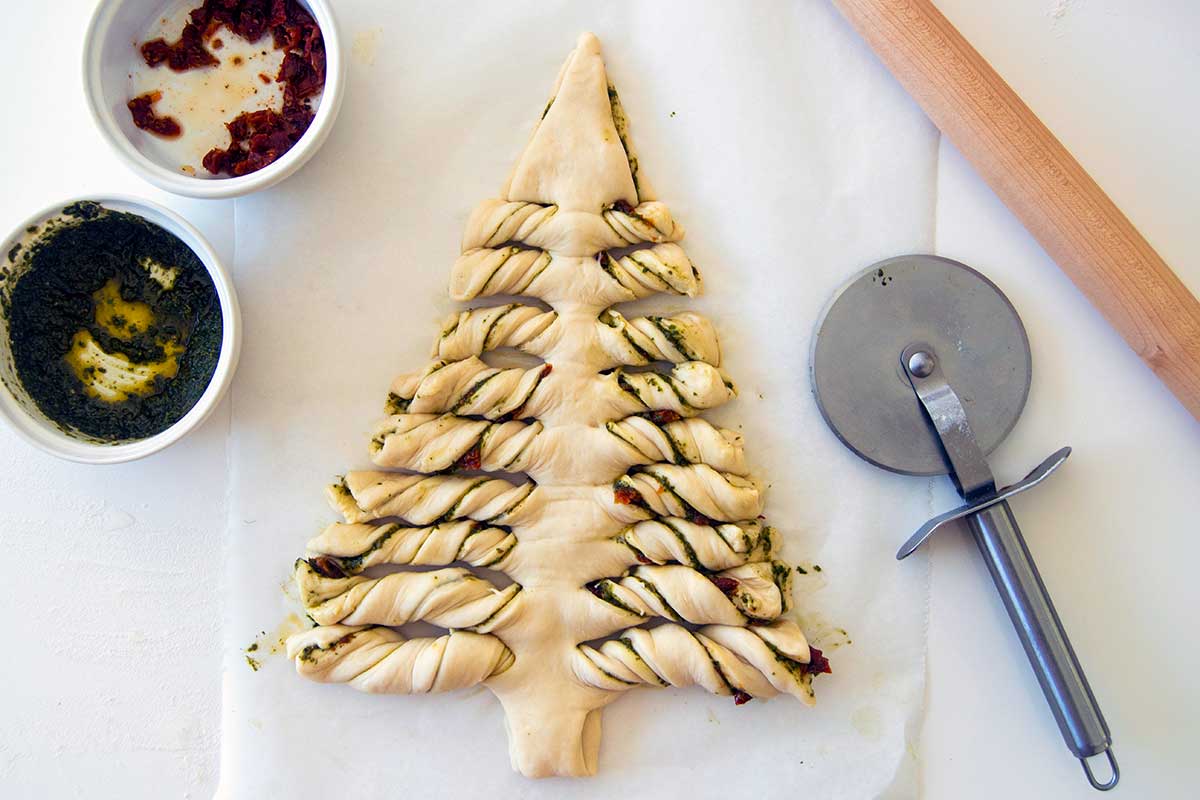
1035	176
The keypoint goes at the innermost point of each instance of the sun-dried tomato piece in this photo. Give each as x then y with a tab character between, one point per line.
327	566
625	496
470	459
188	52
726	585
699	519
258	138
642	559
142	109
817	663
740	698
664	417
623	206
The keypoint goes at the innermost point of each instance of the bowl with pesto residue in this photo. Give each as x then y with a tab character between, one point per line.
119	329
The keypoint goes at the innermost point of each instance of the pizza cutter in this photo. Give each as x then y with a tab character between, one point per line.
921	366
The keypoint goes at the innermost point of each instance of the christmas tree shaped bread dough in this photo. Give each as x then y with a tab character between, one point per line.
634	541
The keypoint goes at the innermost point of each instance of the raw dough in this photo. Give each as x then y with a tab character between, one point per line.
632	537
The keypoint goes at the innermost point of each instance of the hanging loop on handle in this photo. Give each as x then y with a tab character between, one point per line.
1112	763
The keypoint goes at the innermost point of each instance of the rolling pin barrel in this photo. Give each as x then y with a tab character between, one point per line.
1043	637
1044	186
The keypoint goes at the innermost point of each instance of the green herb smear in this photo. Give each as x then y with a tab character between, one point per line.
54	306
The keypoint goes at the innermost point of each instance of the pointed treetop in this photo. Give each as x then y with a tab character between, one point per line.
579	157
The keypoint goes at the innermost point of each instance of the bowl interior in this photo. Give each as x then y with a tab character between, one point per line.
22	412
114	73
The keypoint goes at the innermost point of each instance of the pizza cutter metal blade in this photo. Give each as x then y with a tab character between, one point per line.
921	366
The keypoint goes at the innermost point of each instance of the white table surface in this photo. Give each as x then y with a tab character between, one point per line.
111	684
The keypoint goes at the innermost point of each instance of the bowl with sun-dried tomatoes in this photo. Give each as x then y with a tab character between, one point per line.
214	98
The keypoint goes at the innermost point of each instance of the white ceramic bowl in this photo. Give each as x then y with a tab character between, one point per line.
23	415
108	52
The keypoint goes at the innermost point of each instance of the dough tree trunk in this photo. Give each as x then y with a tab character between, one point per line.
633	537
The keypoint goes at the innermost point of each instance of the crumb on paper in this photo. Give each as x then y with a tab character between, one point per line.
366	45
254	663
188	169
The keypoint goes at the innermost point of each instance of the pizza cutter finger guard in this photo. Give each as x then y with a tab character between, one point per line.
921	366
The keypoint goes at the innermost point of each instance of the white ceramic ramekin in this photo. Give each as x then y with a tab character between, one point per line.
116	25
23	415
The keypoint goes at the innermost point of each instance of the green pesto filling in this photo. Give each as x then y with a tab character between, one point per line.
396	404
629	644
672	614
471	393
645	355
355	564
492	615
453	510
690	551
652	271
625	384
603	590
487	339
621	123
501	552
675	336
544	260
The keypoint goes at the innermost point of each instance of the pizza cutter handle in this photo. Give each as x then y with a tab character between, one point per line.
1041	632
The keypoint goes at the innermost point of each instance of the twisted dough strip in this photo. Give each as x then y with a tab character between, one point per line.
484	271
468	387
449	598
431	443
661	268
471	332
365	495
682	441
747	662
513	270
496	222
681	594
687	389
647	222
686	337
381	661
710	547
667	490
500	222
356	546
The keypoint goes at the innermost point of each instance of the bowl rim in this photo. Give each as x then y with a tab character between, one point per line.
52	440
179	183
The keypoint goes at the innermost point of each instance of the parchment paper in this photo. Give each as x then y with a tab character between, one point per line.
793	160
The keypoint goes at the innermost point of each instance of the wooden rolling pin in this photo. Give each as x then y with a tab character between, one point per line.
1066	211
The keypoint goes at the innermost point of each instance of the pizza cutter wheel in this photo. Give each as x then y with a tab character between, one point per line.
921	366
